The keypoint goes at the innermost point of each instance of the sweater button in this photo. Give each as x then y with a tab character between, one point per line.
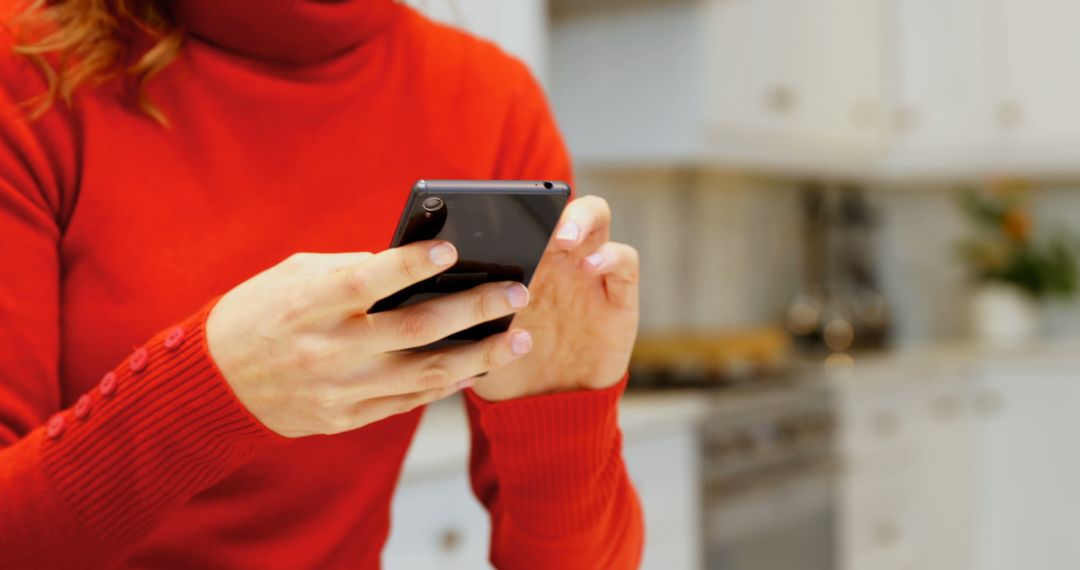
138	360
82	407
173	340
56	426
108	384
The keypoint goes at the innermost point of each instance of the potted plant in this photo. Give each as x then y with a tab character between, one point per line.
1013	270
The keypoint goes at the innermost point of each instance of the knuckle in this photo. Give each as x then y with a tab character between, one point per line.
492	356
433	375
409	265
339	423
357	284
307	353
328	396
418	323
408	404
484	305
293	309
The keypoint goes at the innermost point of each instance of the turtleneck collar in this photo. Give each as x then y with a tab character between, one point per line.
287	31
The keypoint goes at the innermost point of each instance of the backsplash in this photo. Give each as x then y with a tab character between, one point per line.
722	251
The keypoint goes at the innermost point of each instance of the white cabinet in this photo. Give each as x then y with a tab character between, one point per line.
1036	110
1029	466
942	86
906	443
437	522
901	89
519	27
761	83
962	461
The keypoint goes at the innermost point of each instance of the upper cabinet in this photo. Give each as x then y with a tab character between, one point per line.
895	88
519	27
942	87
1036	109
766	83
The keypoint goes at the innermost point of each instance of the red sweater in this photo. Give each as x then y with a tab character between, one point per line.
298	126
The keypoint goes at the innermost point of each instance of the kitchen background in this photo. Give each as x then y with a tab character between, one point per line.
859	223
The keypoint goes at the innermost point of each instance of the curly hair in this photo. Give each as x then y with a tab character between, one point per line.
90	39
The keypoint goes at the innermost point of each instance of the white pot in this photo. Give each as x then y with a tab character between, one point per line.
1003	315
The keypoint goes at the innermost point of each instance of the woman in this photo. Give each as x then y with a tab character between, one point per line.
160	407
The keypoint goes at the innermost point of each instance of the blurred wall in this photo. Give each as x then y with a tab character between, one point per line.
722	251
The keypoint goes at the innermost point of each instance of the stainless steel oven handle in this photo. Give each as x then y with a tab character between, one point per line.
749	484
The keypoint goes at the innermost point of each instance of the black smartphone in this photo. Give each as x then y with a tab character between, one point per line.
499	227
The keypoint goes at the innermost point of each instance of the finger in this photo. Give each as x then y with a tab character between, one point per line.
584	220
373	410
446	368
620	268
357	287
424	323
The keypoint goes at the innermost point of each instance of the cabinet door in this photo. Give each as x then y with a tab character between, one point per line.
836	53
1028	466
945	473
437	524
750	86
664	469
1040	48
791	83
939	54
519	27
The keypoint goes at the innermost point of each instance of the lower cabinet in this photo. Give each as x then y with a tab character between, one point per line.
962	466
436	522
1028	489
907	443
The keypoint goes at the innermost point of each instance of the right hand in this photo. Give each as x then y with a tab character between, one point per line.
300	351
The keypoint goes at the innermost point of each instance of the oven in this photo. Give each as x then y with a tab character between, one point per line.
769	482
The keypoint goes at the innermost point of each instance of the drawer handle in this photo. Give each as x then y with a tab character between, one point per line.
886	533
988	403
946	409
451	540
887	425
781	99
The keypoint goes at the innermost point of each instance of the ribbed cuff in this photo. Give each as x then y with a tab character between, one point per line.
558	457
166	426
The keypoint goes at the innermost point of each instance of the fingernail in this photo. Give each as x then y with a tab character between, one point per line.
520	342
517	295
595	260
569	231
466	383
442	254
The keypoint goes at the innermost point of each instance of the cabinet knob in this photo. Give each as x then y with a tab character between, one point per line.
988	402
1010	114
886	533
865	114
450	540
887	424
905	119
946	409
781	99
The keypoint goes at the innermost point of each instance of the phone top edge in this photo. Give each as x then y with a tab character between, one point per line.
480	186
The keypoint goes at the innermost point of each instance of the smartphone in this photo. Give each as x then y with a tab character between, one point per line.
499	227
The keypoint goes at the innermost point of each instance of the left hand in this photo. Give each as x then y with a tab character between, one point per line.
583	311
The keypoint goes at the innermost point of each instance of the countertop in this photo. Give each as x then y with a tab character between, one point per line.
441	444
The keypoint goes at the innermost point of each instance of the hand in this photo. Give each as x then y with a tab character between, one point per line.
298	348
583	315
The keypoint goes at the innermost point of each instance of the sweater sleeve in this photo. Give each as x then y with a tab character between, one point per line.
549	469
80	486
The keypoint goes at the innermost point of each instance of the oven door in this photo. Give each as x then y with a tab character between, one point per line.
780	519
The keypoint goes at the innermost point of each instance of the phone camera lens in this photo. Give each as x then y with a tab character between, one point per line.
548	185
433	204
